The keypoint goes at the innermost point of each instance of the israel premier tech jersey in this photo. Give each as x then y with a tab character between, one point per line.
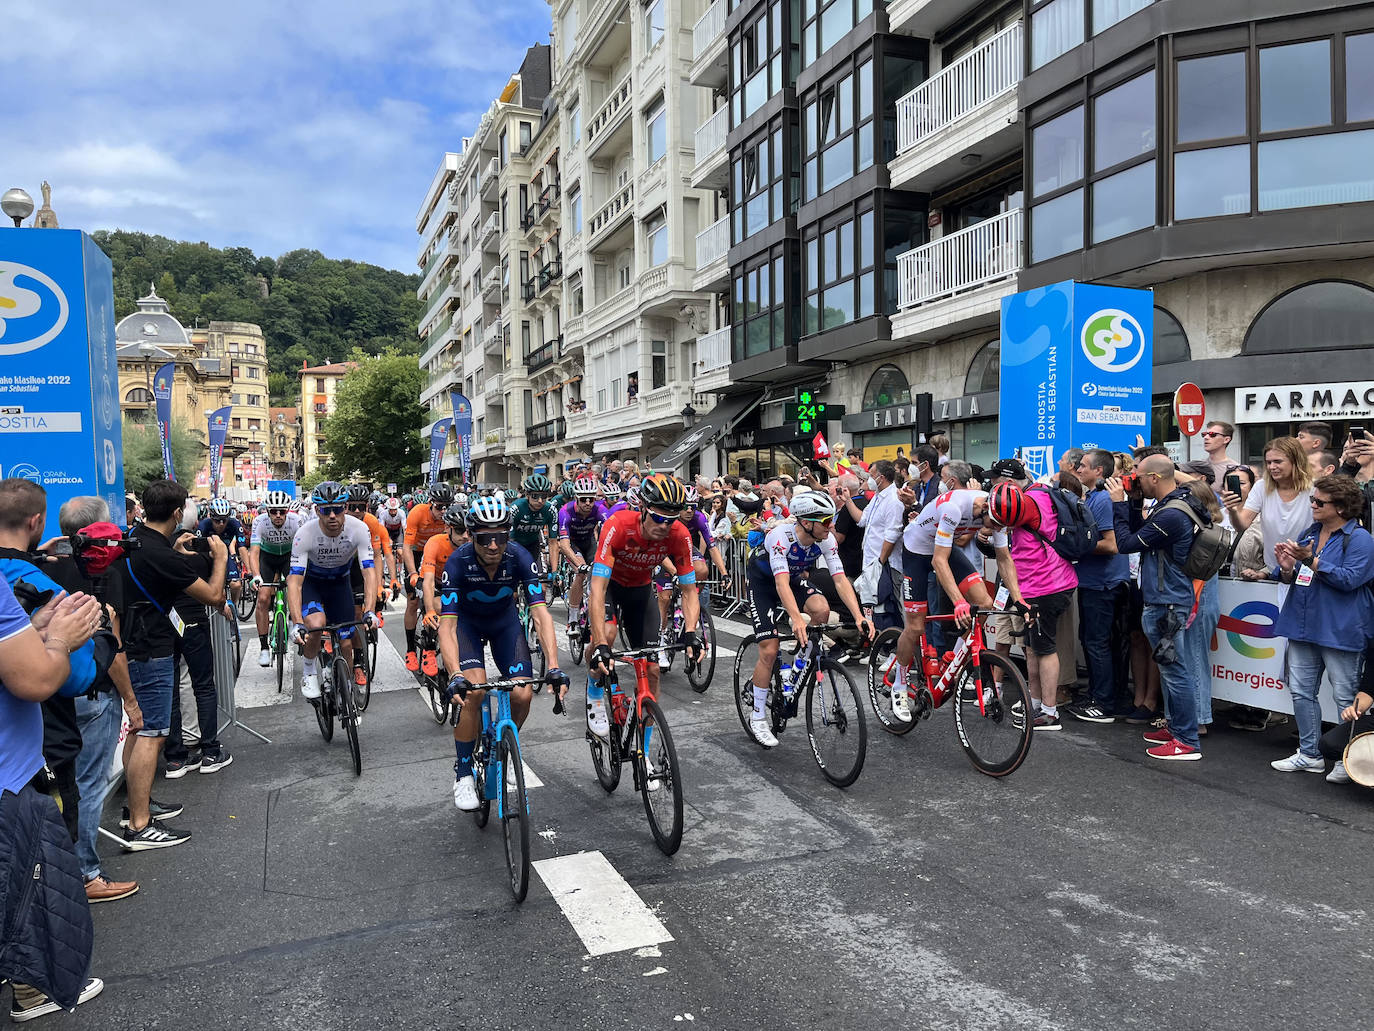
314	554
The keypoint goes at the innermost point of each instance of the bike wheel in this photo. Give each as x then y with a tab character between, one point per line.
238	647
248	601
884	652
699	674
745	660
515	815
278	640
995	736
438	699
605	756
479	778
663	806
835	723
574	642
363	694
346	691
324	715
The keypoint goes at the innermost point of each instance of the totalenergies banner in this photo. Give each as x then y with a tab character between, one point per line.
162	394
218	428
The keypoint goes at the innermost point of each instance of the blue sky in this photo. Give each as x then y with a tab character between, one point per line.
258	123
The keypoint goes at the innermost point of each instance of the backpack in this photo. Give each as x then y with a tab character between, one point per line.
1077	534
1212	545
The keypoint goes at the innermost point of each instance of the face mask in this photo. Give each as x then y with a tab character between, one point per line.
872	483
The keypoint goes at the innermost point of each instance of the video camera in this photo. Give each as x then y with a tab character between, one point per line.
97	547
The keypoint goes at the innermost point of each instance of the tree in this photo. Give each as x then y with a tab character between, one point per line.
375	429
143	454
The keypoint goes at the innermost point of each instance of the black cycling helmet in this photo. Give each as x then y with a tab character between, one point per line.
663	491
441	494
454	516
358	494
329	493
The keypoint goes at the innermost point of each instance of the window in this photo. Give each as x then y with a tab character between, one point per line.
656	131
234	424
985	371
825	22
838	264
763	59
526	136
1295	86
575	124
574	211
837	131
575	293
319	386
759	175
254	372
568	35
1107	13
656	237
1124	135
1056	28
1124	202
658	359
886	387
1171	343
235	399
255	400
653	24
1314	317
1305	171
1359	77
759	303
1056	224
1211	182
505	154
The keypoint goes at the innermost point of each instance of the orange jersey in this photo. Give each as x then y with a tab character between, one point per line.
437	551
421	525
381	540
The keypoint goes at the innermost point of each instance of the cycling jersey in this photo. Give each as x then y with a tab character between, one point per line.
465	588
580	528
229	535
945	517
629	560
271	539
619	506
700	532
392	522
783	553
528	526
381	540
316	555
421	525
436	555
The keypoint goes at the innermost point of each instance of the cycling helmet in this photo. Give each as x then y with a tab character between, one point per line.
510	494
202	509
586	487
812	504
488	513
455	516
1009	506
632	497
662	491
393	504
612	492
221	507
441	494
693	498
329	493
748	504
461	501
278	500
358	494
536	483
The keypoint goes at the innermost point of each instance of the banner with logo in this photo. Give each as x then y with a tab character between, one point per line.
438	437
218	429
462	426
162	394
1077	364
59	382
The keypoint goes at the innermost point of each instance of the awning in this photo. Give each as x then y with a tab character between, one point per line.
625	442
709	428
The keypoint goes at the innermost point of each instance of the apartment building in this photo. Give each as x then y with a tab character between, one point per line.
319	384
246	458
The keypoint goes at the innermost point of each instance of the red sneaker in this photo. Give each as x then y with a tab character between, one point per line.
1162	736
412	661
430	664
1174	749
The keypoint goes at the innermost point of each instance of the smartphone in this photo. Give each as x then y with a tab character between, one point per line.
1233	483
1357	433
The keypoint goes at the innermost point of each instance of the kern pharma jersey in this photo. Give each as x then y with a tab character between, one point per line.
271	539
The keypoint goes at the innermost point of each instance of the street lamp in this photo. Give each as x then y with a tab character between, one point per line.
17	204
689	416
147	349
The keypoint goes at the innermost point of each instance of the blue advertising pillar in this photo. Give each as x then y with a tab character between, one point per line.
59	403
1076	369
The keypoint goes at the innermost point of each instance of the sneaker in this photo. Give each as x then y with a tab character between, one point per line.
465	794
310	686
596	718
412	661
1159	722
1162	736
157	810
1044	721
1338	774
1299	763
30	1003
1256	724
265	657
1174	750
430	665
155	835
1141	715
763	733
101	889
178	768
901	706
217	762
1091	712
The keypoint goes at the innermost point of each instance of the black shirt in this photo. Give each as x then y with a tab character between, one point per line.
852	549
163	574
203	566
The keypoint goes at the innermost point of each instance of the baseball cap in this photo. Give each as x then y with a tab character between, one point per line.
1009	467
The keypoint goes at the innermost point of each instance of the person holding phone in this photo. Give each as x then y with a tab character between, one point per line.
1357	462
1216	440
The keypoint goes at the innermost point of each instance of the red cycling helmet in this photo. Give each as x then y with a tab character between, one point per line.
1009	506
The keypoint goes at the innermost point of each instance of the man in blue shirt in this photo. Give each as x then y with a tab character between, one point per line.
1103	597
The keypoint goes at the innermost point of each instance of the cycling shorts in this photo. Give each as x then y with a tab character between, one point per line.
663	580
417	591
763	598
636	610
273	568
509	650
918	569
584	546
331	595
231	567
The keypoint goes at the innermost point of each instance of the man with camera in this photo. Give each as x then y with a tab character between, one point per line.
154	575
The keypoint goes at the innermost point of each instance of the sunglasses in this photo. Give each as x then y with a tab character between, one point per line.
1212	433
357	508
658	518
490	538
1320	502
537	497
330	510
827	521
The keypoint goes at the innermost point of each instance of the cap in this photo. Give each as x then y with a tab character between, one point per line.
1011	467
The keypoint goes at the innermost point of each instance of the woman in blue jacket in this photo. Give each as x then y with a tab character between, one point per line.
1328	613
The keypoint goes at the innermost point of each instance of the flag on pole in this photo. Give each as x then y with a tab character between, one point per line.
438	436
162	394
819	447
462	428
219	429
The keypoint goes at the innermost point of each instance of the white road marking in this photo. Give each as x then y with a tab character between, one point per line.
603	909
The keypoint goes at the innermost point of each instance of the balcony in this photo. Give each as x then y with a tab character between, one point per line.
490	236
712	169
492	339
710	62
548	200
611	214
713	249
491	286
926	18
958	281
489	177
546	433
964	115
527	290
550	274
494	387
712	369
528	216
541	357
609	117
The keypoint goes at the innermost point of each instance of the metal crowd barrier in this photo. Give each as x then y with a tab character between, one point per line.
226	681
732	596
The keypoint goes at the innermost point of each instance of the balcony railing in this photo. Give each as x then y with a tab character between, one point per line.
982	253
710	134
713	350
709	27
489	177
440	328
548	197
542	356
713	242
493	388
977	78
545	433
528	216
550	273
491	230
610	111
622	200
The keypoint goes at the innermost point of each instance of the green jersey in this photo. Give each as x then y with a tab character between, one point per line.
528	526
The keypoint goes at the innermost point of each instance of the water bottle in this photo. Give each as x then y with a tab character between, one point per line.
930	662
791	676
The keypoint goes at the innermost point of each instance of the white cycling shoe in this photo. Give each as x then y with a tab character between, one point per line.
265	657
465	794
901	706
597	722
763	733
664	663
310	686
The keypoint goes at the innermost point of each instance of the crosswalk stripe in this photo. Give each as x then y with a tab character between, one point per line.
607	914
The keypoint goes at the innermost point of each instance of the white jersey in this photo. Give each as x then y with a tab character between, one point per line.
786	555
948	516
315	554
392	522
272	539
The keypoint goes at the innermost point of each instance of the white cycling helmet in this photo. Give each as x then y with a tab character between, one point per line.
812	504
277	499
488	512
221	507
586	487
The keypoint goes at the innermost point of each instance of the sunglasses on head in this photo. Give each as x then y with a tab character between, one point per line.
330	510
486	538
659	517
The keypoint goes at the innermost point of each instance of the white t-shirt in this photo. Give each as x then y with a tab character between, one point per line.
1279	520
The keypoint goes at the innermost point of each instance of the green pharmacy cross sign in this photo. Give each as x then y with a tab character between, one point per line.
808	414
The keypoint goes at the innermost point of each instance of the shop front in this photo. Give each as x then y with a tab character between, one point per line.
1262	413
969	420
761	454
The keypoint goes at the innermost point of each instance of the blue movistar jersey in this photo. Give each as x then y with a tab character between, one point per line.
467	590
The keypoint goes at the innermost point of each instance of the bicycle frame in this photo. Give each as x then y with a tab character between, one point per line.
941	687
493	726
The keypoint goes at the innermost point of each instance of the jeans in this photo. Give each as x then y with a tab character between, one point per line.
1306	663
154	682
1333	742
1163	626
1200	646
1104	651
100	720
199	657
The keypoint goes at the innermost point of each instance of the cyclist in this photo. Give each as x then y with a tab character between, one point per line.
929	545
317	588
356	506
478	588
702	545
269	558
579	521
534	520
611	496
393	520
776	574
222	524
424	521
436	556
631	545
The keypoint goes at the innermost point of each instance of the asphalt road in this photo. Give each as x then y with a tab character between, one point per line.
1095	888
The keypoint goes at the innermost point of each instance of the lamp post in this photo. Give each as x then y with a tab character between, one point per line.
147	350
689	416
17	204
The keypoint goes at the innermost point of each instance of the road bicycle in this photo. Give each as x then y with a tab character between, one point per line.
338	692
578	633
277	630
992	708
699	671
639	735
247	603
436	684
835	724
539	662
236	636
